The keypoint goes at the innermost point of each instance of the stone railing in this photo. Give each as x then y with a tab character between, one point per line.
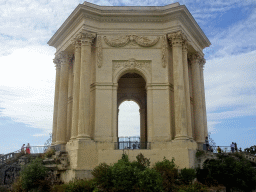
12	155
250	157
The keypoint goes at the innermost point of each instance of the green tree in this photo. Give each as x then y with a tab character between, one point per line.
33	176
233	171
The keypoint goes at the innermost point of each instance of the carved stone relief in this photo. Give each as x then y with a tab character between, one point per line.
132	64
122	41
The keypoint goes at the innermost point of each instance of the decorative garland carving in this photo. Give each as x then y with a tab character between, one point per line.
122	41
164	48
99	52
131	64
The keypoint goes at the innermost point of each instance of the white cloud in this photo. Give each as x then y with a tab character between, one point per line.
27	86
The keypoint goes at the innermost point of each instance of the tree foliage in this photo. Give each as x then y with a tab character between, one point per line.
233	171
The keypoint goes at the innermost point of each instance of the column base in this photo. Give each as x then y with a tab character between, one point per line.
83	137
181	137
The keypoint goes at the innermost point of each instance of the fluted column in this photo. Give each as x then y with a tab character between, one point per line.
56	99
63	99
70	101
203	96
76	88
197	98
114	113
85	79
176	40
186	85
142	128
149	113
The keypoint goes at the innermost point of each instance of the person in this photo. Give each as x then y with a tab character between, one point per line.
207	143
235	147
232	147
219	149
22	149
240	150
27	149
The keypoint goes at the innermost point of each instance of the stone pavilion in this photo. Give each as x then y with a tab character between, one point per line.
106	55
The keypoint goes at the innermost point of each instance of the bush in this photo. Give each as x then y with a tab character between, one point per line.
187	175
50	152
196	187
32	176
169	172
103	176
78	186
149	180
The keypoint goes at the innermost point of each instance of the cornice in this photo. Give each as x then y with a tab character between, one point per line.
112	14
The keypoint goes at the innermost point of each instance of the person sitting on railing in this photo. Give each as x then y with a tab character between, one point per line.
27	149
219	149
22	149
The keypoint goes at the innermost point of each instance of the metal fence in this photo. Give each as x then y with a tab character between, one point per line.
224	149
132	145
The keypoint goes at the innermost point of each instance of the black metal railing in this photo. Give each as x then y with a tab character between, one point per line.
224	149
132	145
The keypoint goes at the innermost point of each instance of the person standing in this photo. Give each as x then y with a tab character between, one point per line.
219	149
22	149
27	149
207	143
235	147
232	147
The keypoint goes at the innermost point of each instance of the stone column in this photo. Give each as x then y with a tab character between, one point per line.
197	99
203	96
186	85
76	88
85	80
181	131
149	113
70	101
142	128
56	99
114	113
63	99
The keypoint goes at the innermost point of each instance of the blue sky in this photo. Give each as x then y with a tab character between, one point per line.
27	74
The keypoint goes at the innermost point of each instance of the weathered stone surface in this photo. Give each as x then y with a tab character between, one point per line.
124	53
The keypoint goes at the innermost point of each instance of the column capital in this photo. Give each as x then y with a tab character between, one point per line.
185	46
202	62
85	37
176	38
57	62
195	58
64	58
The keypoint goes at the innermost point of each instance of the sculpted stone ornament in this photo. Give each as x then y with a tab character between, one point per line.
176	38
122	41
56	61
195	58
132	64
99	52
86	38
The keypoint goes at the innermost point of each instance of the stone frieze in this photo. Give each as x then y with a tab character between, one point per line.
122	41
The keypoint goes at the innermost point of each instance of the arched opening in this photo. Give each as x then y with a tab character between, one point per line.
131	87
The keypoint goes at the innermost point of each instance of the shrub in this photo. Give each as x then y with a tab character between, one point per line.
196	187
50	152
78	185
187	175
103	176
33	174
149	180
168	171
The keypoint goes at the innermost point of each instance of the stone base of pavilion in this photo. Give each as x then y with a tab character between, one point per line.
86	154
